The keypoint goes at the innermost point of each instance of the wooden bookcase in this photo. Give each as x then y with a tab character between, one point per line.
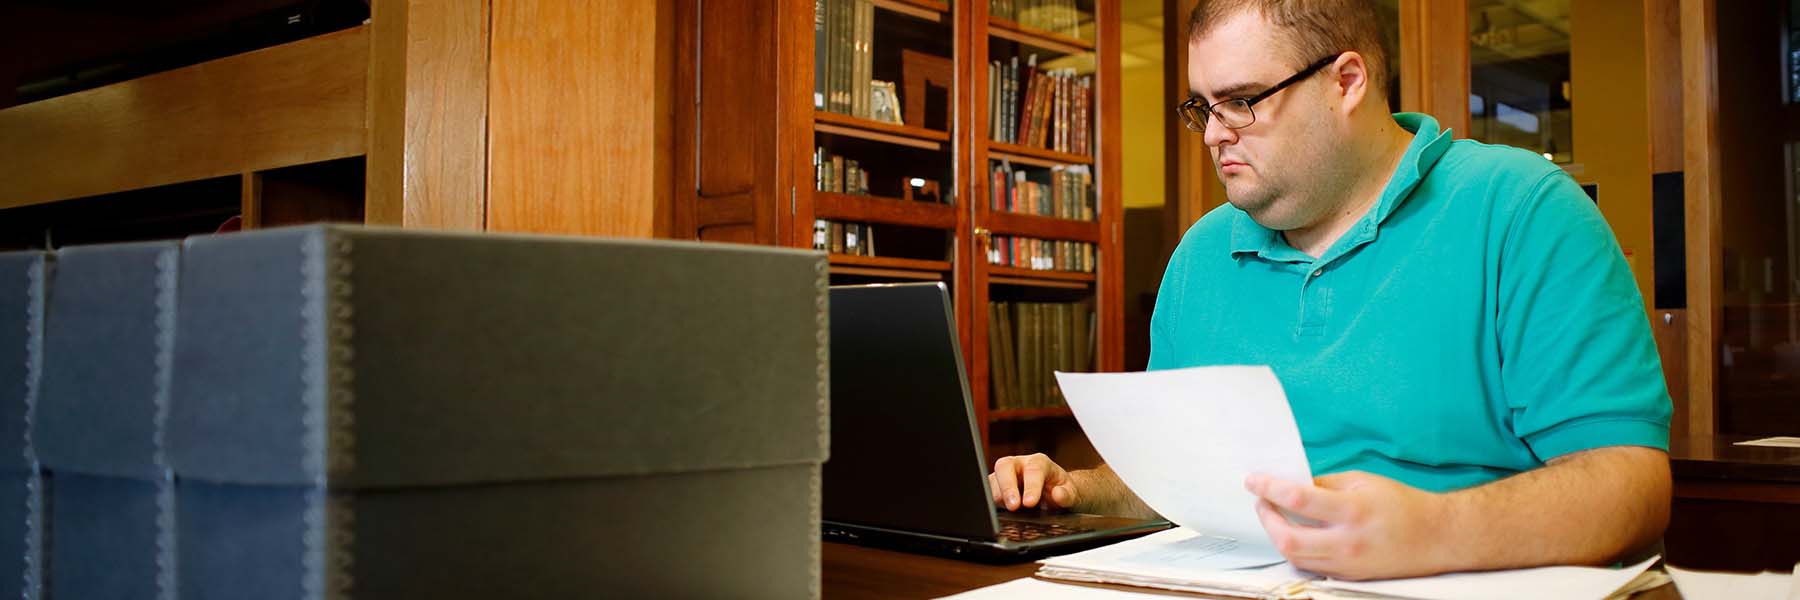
755	113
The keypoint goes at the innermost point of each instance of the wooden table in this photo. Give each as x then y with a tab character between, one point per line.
1736	508
855	572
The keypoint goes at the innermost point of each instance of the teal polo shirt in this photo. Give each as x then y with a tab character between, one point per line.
1479	321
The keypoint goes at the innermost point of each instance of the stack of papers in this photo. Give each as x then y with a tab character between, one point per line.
1184	441
1167	561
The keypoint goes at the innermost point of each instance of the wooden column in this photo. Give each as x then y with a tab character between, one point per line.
1193	182
427	113
1700	159
573	117
1662	79
1434	61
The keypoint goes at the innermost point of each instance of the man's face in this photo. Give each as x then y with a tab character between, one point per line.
1272	169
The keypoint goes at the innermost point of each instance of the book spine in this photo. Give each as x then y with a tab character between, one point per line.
820	54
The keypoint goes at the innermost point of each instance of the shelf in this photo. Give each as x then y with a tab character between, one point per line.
1037	157
1048	228
877	131
846	207
889	273
886	262
923	9
1022	414
1019	276
1037	283
1032	36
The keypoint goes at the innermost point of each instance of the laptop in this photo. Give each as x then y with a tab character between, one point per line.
907	470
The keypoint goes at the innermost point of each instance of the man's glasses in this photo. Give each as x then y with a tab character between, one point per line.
1235	113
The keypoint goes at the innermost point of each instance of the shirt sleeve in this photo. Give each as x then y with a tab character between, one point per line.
1579	366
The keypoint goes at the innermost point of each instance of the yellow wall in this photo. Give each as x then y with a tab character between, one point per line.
1612	144
1141	132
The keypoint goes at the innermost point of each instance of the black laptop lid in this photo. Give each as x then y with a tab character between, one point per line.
905	454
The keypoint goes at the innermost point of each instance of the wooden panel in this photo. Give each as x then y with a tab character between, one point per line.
728	83
295	103
1700	161
1670	329
1662	65
1434	61
427	162
572	117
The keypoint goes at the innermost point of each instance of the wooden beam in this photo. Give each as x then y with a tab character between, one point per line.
1662	77
292	104
1704	210
427	160
1110	303
1188	161
250	201
1434	61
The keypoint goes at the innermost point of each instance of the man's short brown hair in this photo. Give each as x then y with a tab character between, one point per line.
1313	29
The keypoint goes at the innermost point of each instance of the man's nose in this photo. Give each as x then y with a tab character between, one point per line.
1218	134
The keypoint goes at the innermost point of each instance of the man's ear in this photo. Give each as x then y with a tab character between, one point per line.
1350	79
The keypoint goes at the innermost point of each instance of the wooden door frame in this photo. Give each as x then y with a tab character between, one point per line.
1703	209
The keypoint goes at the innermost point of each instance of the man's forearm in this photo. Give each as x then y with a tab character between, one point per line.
1585	508
1102	492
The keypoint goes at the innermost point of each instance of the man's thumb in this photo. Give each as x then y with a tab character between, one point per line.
1063	495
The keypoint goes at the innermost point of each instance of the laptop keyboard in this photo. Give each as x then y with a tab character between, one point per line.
1025	531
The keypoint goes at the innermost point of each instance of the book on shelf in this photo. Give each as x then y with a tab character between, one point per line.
834	173
1041	255
1065	192
1028	342
1040	108
854	239
843	55
1056	16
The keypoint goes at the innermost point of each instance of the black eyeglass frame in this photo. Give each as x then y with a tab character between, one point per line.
1203	112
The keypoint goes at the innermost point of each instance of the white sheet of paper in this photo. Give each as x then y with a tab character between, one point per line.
1038	589
1179	553
1710	585
1184	440
1544	583
1773	442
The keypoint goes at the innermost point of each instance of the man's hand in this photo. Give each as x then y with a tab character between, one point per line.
1368	526
1023	481
1585	508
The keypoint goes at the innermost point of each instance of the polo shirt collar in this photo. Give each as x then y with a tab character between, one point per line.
1428	145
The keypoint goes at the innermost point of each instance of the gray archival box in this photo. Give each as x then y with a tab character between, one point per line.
402	414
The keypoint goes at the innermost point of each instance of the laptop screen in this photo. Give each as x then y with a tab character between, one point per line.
905	452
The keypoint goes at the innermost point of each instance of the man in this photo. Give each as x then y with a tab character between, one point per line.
1465	351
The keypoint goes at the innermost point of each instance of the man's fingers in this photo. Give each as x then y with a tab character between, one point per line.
1006	474
1033	484
994	488
1303	500
1295	542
